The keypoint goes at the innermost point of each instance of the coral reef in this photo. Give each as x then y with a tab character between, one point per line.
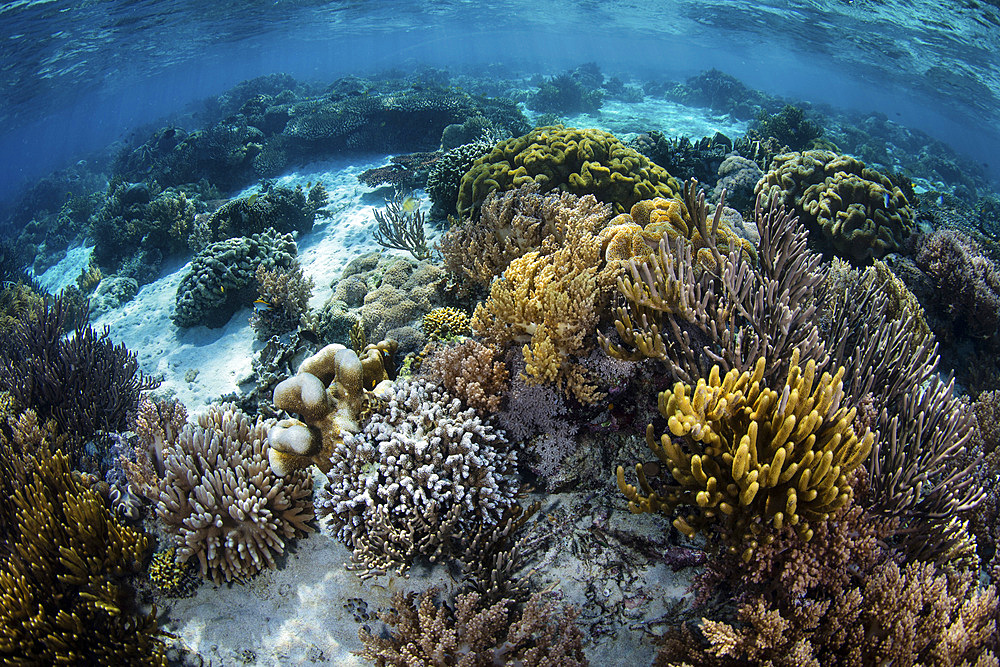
170	578
738	177
63	571
220	501
747	457
284	210
446	323
445	176
550	300
472	372
564	94
683	158
85	381
284	293
476	633
401	227
328	392
858	211
789	127
577	161
222	278
422	472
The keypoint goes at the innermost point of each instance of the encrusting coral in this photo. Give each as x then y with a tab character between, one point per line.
327	392
422	473
747	458
577	161
63	597
220	501
476	633
860	212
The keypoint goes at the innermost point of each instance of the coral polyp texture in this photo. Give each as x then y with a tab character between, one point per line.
749	459
422	473
860	212
577	161
220	501
328	393
63	570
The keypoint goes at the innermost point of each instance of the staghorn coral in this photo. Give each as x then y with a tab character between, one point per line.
328	391
446	323
470	371
476	633
286	293
860	212
220	501
422	473
747	458
577	161
62	574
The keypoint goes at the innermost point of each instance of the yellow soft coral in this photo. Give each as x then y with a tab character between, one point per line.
749	459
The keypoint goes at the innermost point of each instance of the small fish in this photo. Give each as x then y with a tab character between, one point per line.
940	200
261	306
410	204
222	289
886	200
252	198
309	184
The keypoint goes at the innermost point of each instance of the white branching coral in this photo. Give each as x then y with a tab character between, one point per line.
421	473
221	502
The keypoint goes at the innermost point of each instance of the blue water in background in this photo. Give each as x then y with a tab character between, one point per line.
78	76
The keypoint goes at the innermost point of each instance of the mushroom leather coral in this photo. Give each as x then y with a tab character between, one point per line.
327	393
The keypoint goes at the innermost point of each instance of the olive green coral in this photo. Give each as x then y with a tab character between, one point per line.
62	594
576	161
749	459
861	213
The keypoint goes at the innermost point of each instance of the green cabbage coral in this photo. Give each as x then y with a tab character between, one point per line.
577	161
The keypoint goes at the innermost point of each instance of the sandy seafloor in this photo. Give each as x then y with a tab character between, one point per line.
296	614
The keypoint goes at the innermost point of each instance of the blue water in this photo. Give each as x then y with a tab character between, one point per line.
76	76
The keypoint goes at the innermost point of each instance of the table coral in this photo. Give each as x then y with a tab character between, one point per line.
577	161
860	212
221	502
748	458
327	392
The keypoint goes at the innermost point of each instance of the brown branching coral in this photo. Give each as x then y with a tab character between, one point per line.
551	300
62	594
748	458
220	501
475	634
472	372
285	295
401	227
730	316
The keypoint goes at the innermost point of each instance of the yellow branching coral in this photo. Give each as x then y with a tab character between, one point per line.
62	597
749	459
551	303
445	323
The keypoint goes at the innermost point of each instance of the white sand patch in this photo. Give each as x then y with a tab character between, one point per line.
64	273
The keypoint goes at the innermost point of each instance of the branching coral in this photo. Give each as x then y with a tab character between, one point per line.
62	596
85	382
472	372
731	315
577	161
285	293
220	501
328	392
402	228
748	458
446	323
551	300
423	472
476	633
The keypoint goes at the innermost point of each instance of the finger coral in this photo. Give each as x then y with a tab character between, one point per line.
577	161
748	459
220	501
476	634
63	599
422	472
860	212
472	372
327	392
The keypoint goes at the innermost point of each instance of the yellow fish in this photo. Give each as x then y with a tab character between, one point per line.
410	204
252	198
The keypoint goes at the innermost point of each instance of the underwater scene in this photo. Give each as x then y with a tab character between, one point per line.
462	333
